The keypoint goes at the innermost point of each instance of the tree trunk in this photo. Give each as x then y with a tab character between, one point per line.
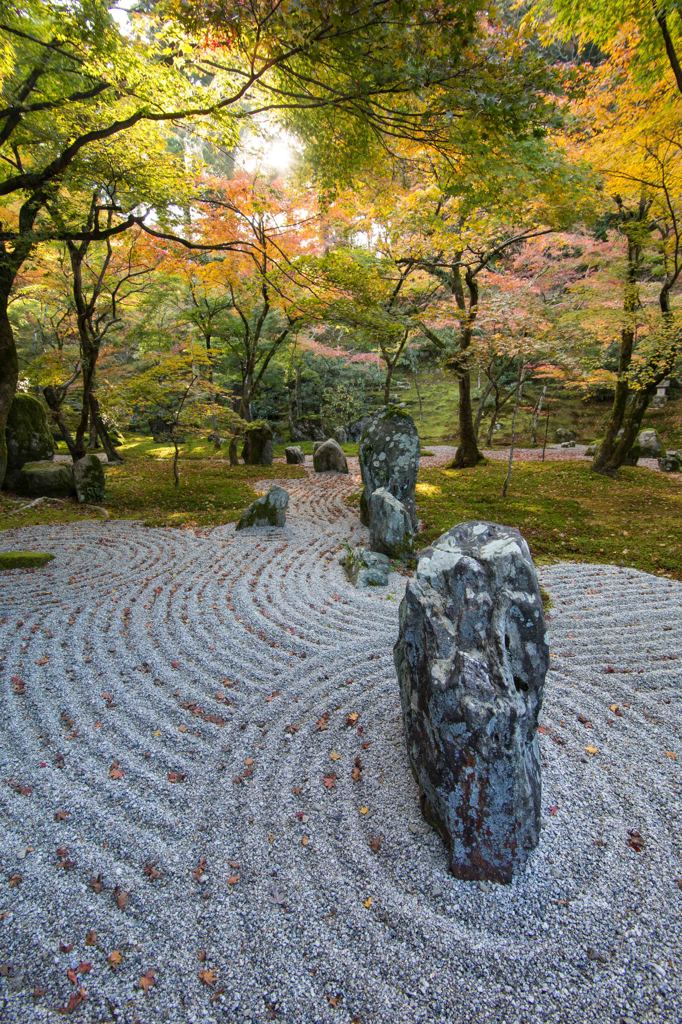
54	405
387	383
467	453
234	448
9	367
536	416
101	430
517	402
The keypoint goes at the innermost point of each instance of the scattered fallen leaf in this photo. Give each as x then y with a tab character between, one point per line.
151	871
199	869
356	774
614	709
554	810
591	750
18	685
322	723
122	898
115	959
43	661
74	1002
208	977
96	883
585	721
248	761
335	756
115	771
636	840
61	815
176	776
352	718
334	1001
367	903
671	754
364	810
375	843
15	880
271	696
91	937
233	880
305	840
329	781
147	981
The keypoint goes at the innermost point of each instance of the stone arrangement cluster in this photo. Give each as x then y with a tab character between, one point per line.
32	469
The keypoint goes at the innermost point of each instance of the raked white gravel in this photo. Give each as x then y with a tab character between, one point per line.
160	695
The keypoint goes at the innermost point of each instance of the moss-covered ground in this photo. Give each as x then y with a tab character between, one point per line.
23	559
565	512
211	491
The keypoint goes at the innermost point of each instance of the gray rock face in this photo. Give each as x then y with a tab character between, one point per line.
366	568
257	450
328	457
650	446
390	527
88	476
671	462
471	660
45	480
567	444
270	510
564	434
28	434
294	455
389	457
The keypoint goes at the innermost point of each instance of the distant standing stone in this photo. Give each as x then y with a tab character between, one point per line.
257	450
270	510
88	476
671	462
390	528
294	455
366	568
329	458
389	457
471	660
650	446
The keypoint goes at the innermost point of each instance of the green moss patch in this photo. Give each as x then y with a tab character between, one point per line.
23	559
565	512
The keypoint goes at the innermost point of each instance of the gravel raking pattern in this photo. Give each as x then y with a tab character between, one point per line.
208	815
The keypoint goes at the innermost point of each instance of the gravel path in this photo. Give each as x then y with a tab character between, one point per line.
172	702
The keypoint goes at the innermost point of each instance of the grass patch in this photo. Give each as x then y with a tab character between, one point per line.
565	512
23	559
211	492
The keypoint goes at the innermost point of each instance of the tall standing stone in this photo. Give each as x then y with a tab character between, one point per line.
471	660
257	450
389	457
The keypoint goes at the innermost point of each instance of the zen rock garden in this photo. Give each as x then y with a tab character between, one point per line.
340	512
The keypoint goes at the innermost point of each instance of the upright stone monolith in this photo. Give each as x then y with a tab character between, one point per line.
471	660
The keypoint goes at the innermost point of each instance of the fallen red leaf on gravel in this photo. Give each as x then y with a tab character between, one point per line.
329	781
147	980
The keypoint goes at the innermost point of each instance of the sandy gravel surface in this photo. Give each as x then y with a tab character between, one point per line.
202	771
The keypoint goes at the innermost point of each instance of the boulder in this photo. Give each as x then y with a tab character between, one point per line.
671	462
294	455
650	446
28	434
45	480
366	568
592	449
328	457
257	450
390	526
88	477
270	510
389	457
564	434
567	444
471	660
